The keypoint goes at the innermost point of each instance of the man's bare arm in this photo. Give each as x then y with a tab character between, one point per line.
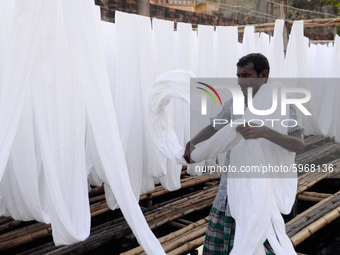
203	135
292	142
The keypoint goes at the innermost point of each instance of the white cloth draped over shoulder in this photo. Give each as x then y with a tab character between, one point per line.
256	199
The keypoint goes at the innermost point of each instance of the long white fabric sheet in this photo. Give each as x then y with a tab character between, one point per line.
55	68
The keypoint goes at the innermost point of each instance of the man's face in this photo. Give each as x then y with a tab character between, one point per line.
247	77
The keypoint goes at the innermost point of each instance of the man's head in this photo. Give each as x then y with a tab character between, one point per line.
252	71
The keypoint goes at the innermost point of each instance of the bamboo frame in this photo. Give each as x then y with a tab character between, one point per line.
315	226
188	246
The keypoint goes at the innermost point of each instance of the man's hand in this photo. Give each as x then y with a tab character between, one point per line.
252	131
188	149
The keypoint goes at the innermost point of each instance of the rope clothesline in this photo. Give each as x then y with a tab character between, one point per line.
291	7
224	6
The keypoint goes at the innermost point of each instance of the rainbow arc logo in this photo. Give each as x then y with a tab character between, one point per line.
209	93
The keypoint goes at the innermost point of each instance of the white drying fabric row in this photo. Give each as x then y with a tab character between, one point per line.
39	139
54	79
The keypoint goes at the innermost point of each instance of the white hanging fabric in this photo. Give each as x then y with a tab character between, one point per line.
205	51
91	69
276	56
59	129
250	42
59	58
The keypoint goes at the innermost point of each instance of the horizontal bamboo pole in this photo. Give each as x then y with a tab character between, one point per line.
25	239
170	236
199	232
96	191
315	226
96	198
189	183
311	215
9	225
5	219
311	183
176	224
299	216
316	194
312	196
309	199
23	231
188	246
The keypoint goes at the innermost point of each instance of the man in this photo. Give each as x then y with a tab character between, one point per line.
252	71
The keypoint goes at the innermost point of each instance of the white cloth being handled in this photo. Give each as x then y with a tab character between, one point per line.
170	85
256	196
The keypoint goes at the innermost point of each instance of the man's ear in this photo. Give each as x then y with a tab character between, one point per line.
264	74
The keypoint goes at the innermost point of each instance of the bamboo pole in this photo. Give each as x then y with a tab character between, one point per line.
188	246
170	236
5	219
96	191
311	183
312	216
199	232
303	214
315	226
103	234
184	185
9	225
176	224
25	239
309	198
23	231
97	198
316	194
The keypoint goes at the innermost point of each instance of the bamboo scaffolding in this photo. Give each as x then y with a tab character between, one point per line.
303	214
309	198
96	191
313	215
23	231
170	236
118	228
314	139
38	230
10	225
316	194
186	184
191	235
5	219
106	235
315	226
96	209
188	246
25	239
318	153
309	179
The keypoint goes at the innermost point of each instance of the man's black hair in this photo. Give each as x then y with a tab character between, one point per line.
260	62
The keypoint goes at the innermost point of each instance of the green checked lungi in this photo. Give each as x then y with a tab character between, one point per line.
219	238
